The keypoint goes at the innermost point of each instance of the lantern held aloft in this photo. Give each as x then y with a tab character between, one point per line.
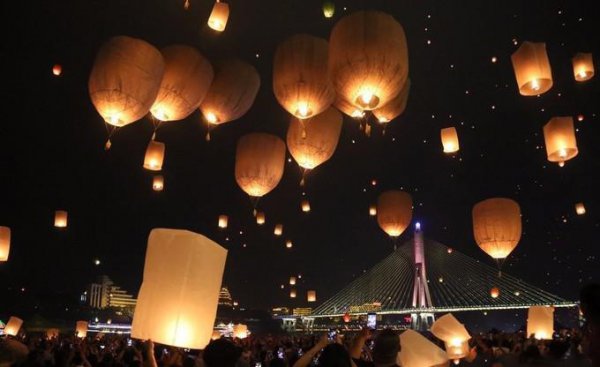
450	140
454	334
259	163
368	58
540	322
417	351
561	143
185	83
240	331
532	68
60	219
13	326
301	82
583	67
125	79
219	16
4	243
231	93
52	333
394	212
155	154
81	329
313	142
177	303
497	226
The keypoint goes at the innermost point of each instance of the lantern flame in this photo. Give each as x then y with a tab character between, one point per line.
535	84
303	111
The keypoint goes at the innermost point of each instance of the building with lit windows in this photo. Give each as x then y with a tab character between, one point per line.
105	294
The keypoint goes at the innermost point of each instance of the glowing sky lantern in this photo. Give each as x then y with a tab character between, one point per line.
418	351
81	329
561	143
368	58
158	183
52	333
583	67
219	16
394	212
314	141
184	84
60	219
540	322
177	303
125	79
495	292
4	243
579	209
373	210
292	280
292	293
57	70
289	244
346	317
532	69
497	226
305	205
300	80
278	230
450	140
395	107
453	334
240	331
231	93
222	222
311	296
259	163
155	154
13	326
260	218
328	9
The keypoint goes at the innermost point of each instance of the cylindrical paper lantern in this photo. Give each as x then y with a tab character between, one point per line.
450	140
395	107
13	326
260	218
259	163
223	219
292	280
125	79
231	93
81	329
177	303
4	243
346	317
417	351
313	141
278	230
155	154
158	183
394	212
532	69
540	322
292	293
52	333
184	84
495	292
57	69
60	219
373	210
454	334
301	82
497	226
328	9
561	143
368	58
583	67
305	206
579	209
348	108
311	296
240	331
219	16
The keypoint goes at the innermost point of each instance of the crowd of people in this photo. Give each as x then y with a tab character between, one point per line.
574	347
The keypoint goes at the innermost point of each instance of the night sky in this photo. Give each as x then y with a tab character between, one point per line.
52	148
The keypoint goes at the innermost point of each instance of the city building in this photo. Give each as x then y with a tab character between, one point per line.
301	311
280	311
105	294
225	299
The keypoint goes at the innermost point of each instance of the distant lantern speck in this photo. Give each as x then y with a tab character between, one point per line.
219	16
223	219
311	296
278	230
260	218
450	140
583	67
328	9
495	292
158	183
57	70
579	209
305	206
373	210
289	244
292	280
155	154
60	219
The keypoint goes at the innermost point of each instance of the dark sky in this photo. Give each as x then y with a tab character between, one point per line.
52	155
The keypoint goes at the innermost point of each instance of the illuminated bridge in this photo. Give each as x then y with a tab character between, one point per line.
424	277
